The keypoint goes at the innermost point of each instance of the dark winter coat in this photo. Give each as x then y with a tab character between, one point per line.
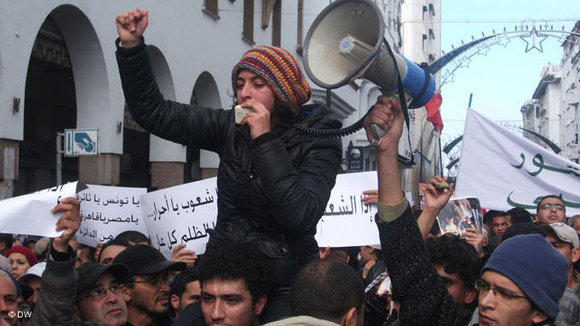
416	286
272	190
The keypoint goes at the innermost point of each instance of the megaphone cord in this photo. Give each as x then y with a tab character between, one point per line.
332	133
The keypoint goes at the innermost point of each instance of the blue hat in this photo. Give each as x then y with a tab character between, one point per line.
539	270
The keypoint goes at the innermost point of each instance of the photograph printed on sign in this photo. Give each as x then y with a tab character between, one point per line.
460	214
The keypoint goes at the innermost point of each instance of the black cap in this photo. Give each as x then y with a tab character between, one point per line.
30	238
146	260
91	271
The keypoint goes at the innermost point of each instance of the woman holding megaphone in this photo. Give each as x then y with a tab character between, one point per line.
273	181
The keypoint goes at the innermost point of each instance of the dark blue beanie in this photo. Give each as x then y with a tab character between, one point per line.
539	270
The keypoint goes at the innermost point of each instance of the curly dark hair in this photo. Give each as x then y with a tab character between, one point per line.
456	256
237	260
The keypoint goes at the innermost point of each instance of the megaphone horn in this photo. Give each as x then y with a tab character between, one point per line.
346	42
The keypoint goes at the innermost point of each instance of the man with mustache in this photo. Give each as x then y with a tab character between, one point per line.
100	295
147	287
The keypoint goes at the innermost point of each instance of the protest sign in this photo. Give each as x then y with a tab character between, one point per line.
347	221
30	213
181	214
505	170
107	211
460	214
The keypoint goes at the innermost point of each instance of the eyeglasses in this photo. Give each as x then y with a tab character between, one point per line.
483	287
558	207
157	280
101	292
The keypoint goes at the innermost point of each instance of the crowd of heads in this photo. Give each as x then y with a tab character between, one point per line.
126	279
517	262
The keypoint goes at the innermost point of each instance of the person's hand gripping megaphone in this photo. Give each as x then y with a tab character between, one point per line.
387	115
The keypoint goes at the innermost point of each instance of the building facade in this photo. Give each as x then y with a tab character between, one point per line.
58	71
542	113
553	110
571	96
421	33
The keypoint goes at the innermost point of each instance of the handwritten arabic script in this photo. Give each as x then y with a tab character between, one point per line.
347	220
353	204
107	211
181	214
538	161
179	207
193	233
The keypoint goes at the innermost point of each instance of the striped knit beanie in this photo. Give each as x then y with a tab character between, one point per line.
280	69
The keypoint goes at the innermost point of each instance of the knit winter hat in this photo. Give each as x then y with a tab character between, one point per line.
538	269
25	251
280	69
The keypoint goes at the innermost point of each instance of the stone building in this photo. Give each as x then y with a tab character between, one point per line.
58	71
553	111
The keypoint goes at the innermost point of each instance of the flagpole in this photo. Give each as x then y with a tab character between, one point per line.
440	158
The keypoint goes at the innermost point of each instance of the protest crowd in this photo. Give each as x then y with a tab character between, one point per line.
262	264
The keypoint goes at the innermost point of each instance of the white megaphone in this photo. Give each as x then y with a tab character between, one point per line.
346	42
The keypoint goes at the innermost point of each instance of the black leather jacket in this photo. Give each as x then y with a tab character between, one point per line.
272	189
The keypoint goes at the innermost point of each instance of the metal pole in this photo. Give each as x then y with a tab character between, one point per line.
440	159
421	157
59	158
470	99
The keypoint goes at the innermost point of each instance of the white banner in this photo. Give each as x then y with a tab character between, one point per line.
347	221
505	170
30	214
181	214
107	211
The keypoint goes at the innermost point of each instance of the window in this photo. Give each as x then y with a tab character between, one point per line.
299	30
248	28
431	10
277	23
211	8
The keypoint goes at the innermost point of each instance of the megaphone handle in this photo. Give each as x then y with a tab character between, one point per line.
377	131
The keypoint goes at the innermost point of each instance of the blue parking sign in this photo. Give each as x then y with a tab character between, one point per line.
81	142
